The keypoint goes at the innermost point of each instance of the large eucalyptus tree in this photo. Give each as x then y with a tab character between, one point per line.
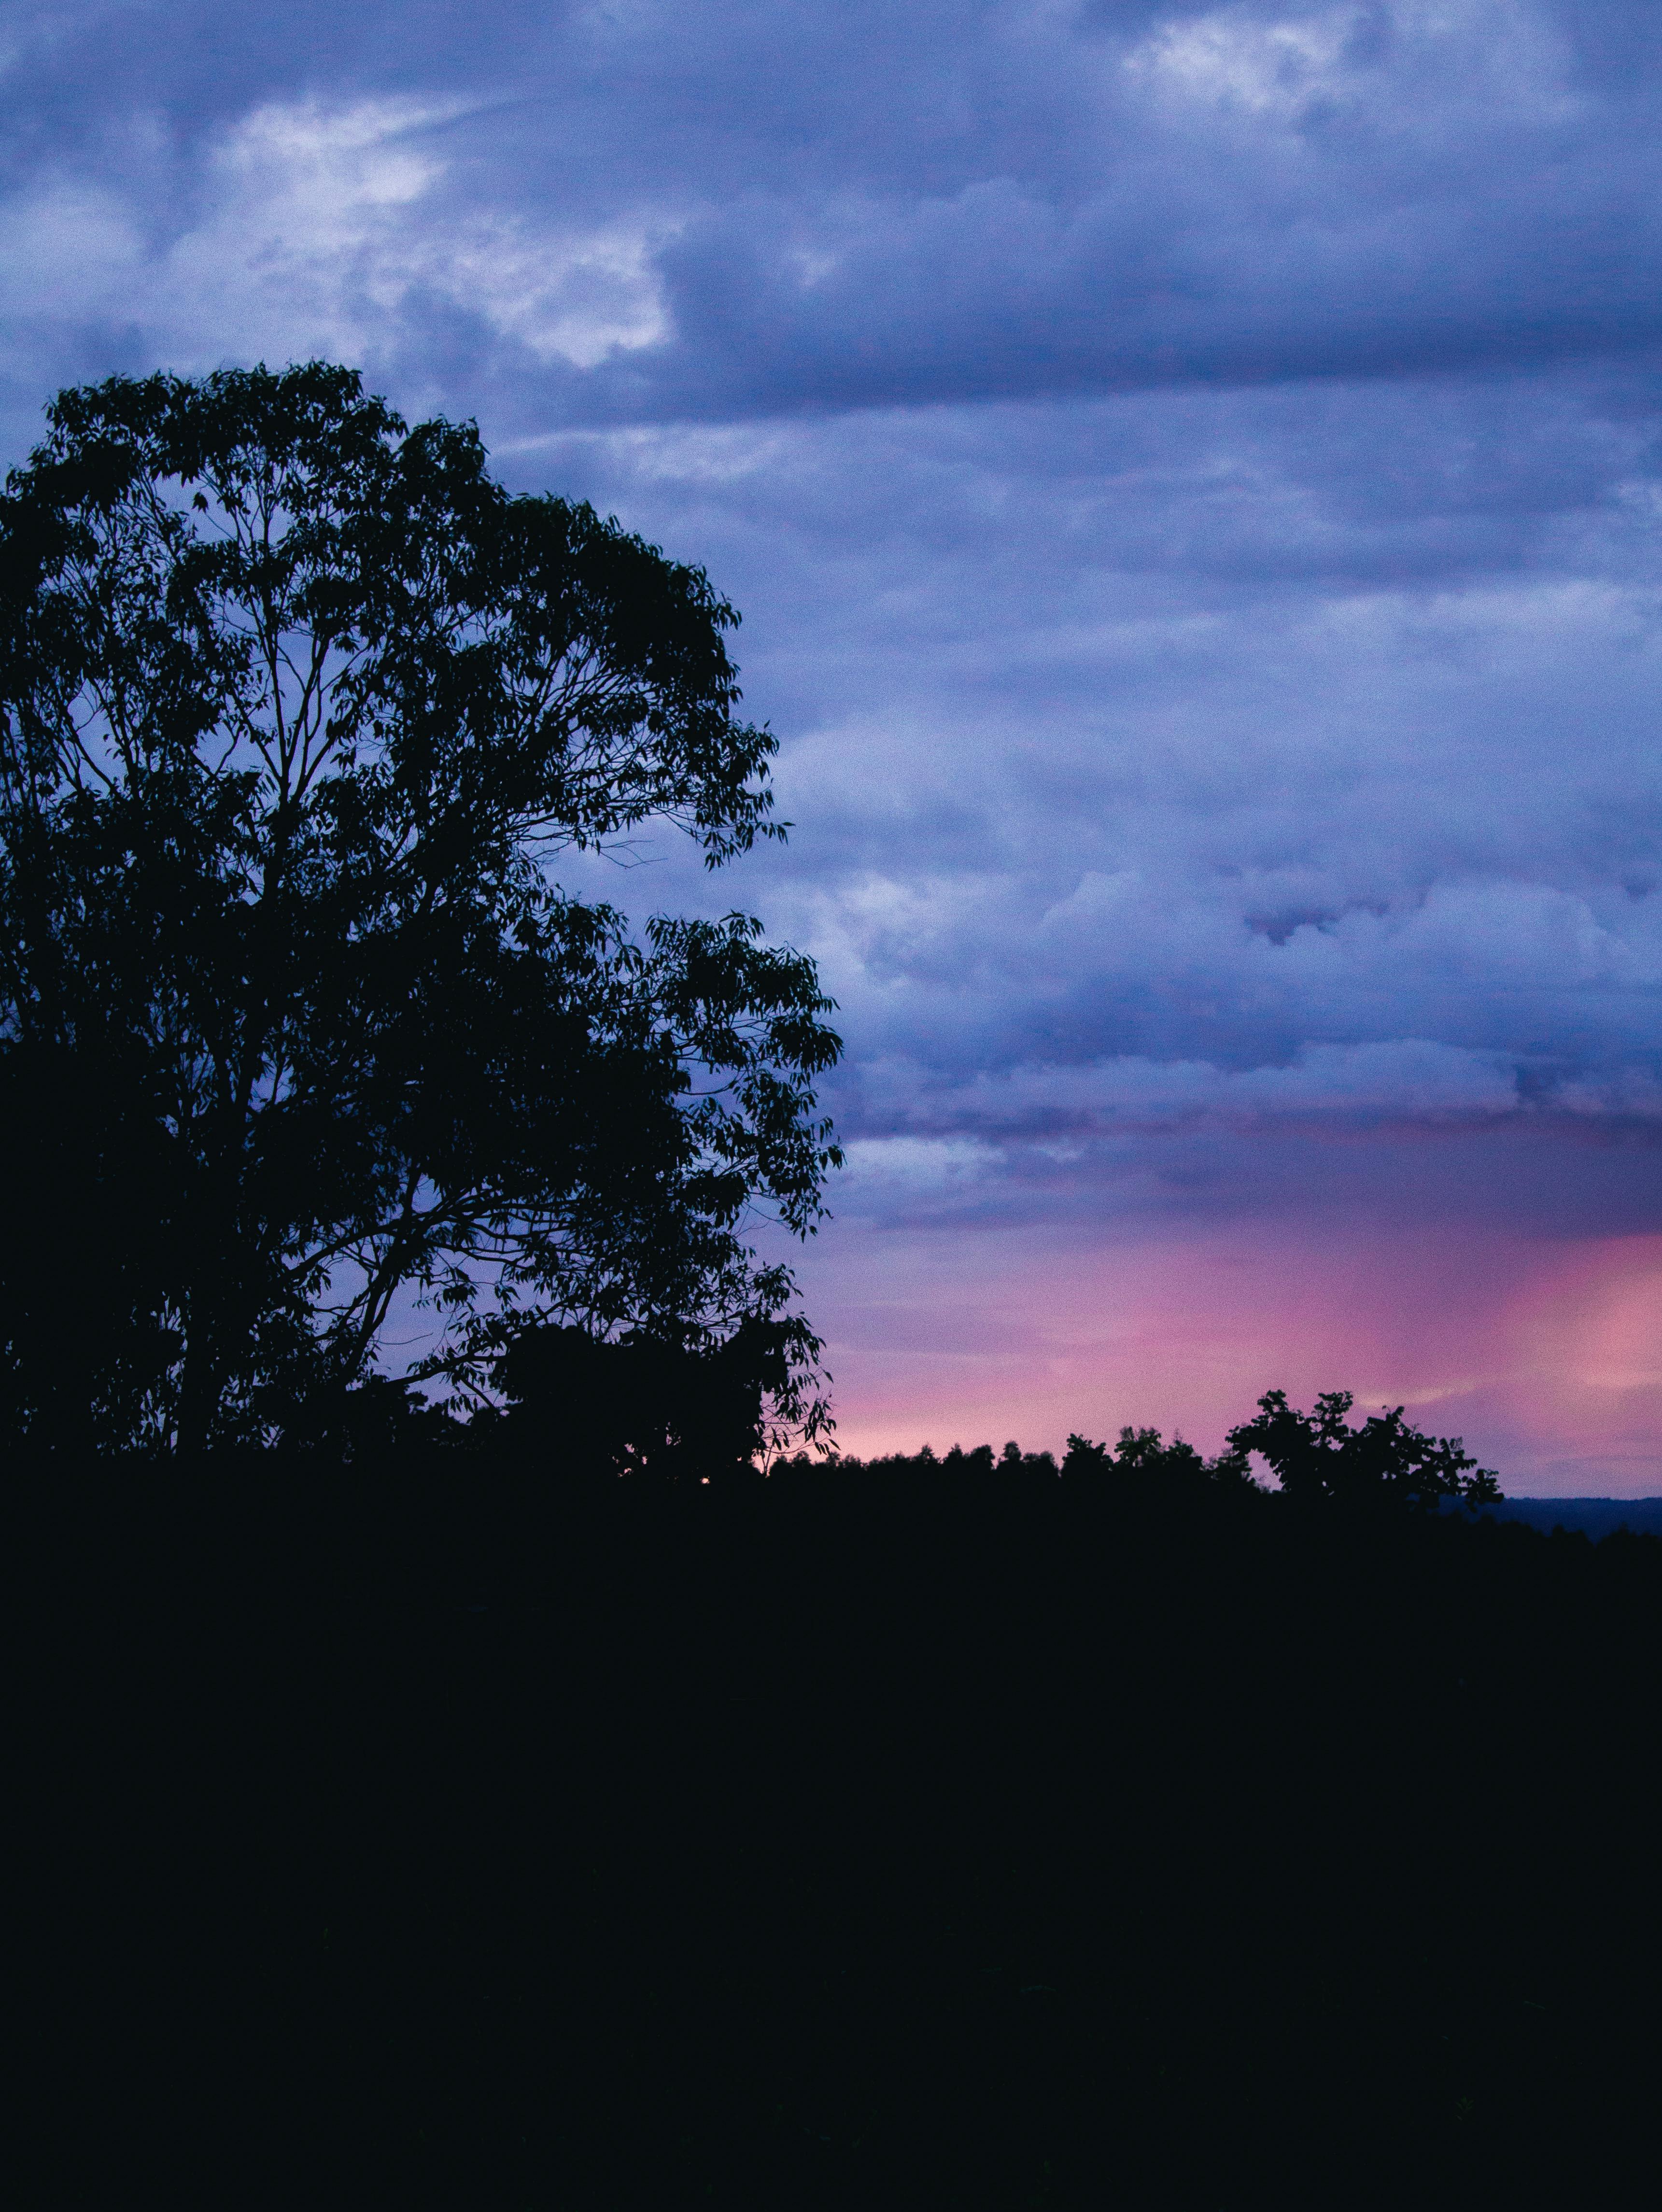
298	710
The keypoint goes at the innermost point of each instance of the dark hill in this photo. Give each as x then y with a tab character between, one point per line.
440	1834
1591	1516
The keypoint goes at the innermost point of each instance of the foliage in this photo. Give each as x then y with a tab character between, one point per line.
1318	1458
1141	1457
656	1403
298	706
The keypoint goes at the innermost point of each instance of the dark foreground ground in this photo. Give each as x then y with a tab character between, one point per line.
956	1842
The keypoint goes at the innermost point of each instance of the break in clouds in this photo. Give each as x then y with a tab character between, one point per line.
1191	479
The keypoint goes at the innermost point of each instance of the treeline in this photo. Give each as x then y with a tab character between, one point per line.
1384	1461
661	1406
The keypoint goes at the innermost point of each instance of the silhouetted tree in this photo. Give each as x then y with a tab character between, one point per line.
1317	1457
297	706
977	1460
1141	1457
658	1403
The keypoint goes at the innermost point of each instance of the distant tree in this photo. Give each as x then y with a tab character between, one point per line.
297	708
977	1460
1317	1457
1142	1457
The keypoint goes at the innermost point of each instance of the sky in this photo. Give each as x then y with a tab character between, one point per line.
1192	478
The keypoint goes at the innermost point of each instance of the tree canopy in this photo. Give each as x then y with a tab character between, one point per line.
1318	1458
299	708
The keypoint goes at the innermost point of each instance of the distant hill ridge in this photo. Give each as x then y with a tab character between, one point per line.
1591	1516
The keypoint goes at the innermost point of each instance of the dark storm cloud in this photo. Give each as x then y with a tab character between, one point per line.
1180	771
647	210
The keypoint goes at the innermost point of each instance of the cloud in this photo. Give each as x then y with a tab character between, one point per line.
643	212
1077	782
1232	196
332	230
1406	1081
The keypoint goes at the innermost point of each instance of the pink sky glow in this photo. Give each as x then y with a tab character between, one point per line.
1545	1356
